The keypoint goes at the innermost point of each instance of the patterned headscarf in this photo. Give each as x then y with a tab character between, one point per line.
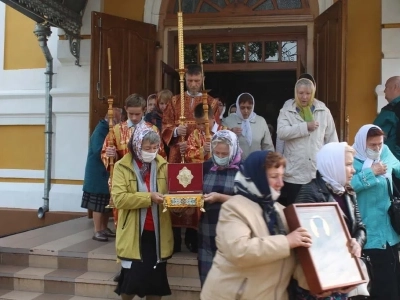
138	135
235	153
252	182
246	128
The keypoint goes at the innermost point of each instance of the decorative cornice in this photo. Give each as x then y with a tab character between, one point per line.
52	11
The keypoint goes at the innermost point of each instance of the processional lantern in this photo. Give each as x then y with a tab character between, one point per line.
185	180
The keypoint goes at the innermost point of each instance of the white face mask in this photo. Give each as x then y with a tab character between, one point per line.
221	162
372	154
274	194
148	156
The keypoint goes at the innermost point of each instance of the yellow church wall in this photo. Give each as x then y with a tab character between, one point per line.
22	147
130	9
41	180
21	48
363	62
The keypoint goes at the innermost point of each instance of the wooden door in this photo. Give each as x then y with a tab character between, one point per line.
329	62
169	78
133	46
300	67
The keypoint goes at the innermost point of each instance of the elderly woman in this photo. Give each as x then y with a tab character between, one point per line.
255	258
374	164
251	129
144	235
219	174
332	183
305	124
232	109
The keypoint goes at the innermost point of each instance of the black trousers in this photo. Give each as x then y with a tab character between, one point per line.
289	193
386	273
190	239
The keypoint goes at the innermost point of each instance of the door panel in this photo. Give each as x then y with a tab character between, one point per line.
329	56
300	67
132	45
169	78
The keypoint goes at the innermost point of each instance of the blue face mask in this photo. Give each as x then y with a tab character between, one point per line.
221	162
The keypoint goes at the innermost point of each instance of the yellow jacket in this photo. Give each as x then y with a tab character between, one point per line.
129	202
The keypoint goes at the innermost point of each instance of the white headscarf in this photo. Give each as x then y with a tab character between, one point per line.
360	146
246	128
221	115
332	166
229	110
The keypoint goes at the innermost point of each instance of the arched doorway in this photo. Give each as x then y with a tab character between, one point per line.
253	46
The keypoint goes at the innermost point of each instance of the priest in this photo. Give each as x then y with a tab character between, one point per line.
172	131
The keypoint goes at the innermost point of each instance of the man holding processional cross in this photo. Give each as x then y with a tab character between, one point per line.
173	132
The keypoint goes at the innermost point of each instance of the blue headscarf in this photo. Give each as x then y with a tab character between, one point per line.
251	182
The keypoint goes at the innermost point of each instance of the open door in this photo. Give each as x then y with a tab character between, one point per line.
300	67
133	48
169	78
329	62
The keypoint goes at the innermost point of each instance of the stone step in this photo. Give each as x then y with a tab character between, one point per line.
19	295
182	264
81	283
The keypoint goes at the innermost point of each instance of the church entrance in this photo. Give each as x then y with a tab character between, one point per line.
259	47
270	89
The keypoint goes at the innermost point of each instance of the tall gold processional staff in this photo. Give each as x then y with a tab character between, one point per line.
185	183
110	114
181	71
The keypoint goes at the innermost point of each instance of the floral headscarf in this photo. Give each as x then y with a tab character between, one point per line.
138	135
235	153
251	182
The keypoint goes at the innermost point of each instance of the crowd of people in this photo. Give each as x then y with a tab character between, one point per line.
244	246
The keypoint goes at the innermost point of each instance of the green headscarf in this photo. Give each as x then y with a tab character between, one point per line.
305	112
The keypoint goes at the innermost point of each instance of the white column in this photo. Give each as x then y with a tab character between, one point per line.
152	11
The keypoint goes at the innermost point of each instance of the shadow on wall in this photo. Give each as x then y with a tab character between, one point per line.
20	220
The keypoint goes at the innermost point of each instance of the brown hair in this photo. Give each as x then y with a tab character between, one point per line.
274	160
246	98
193	70
199	111
135	100
164	96
374	131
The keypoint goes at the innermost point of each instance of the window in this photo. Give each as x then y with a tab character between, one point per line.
216	6
267	51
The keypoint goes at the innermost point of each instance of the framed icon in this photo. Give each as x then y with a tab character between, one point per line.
327	264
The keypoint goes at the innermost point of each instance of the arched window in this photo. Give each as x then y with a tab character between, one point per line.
240	7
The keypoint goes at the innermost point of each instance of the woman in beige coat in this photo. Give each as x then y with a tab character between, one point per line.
251	129
255	260
305	124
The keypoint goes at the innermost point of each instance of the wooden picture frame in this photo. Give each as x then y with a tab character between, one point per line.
327	264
